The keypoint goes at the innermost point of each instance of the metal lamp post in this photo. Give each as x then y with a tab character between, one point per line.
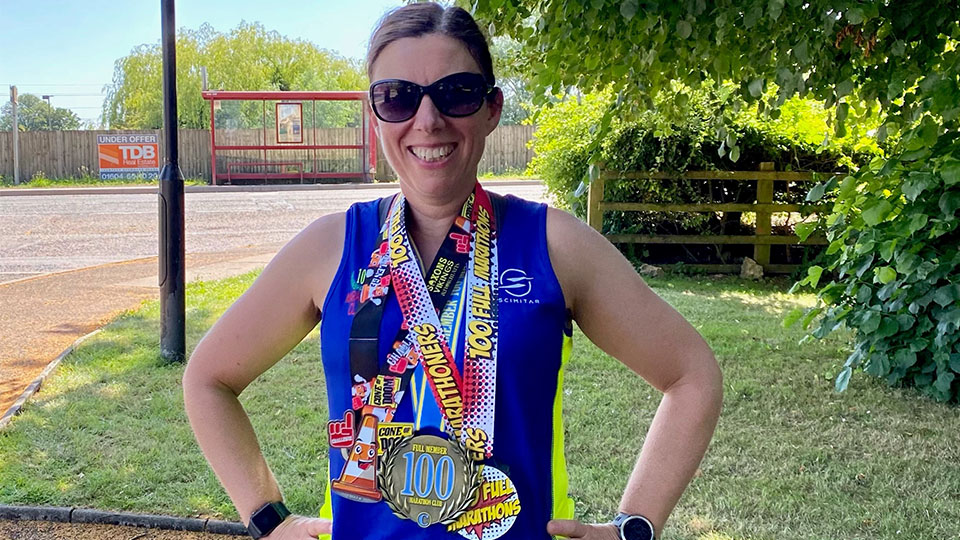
172	257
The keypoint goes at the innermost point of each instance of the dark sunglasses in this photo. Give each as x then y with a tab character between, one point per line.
457	95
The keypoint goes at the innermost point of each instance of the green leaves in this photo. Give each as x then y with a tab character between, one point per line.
946	295
775	8
915	184
854	15
801	51
804	230
843	379
735	154
950	172
885	274
893	227
844	87
813	276
816	193
949	203
876	212
752	15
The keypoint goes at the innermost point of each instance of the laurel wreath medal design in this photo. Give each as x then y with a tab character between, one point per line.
428	479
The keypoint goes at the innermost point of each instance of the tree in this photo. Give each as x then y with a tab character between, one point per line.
517	96
35	114
247	58
892	270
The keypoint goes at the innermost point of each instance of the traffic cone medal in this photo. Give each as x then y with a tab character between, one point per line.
358	481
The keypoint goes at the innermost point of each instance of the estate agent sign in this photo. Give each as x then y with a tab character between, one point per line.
128	156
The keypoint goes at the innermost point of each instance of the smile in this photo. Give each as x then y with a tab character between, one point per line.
432	153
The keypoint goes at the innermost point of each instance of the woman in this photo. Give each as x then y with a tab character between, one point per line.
444	390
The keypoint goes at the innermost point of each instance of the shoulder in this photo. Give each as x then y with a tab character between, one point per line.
581	257
569	239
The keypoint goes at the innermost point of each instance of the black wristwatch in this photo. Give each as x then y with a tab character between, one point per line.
634	527
265	519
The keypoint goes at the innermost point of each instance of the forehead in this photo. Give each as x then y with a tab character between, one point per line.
423	59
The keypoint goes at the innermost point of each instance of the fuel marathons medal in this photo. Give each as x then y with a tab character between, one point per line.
493	510
428	479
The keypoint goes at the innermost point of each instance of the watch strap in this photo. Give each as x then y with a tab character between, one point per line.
265	519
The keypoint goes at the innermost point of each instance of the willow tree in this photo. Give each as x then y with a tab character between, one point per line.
892	268
248	57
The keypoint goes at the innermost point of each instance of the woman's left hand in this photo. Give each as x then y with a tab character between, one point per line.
571	528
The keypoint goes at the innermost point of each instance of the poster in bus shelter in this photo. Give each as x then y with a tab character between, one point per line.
289	123
128	155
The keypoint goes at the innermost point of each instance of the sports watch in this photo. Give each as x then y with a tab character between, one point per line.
265	519
634	527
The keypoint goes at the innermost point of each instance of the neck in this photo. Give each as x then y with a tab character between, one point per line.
430	220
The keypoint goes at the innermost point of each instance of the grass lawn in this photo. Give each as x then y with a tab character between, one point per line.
791	459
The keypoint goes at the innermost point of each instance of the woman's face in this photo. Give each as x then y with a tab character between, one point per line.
435	156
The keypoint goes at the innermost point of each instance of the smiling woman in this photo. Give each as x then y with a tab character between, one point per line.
444	394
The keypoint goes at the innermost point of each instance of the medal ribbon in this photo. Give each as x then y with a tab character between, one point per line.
464	402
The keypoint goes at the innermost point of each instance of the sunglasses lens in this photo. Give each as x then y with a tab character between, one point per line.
395	101
460	94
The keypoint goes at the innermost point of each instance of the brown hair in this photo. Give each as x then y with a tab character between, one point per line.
414	20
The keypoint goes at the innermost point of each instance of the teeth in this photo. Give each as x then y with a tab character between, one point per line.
434	153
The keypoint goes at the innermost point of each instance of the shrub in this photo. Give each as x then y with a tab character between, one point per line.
894	257
654	143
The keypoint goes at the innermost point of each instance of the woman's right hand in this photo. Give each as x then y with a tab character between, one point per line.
300	528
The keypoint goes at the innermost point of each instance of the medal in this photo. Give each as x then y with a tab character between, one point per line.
494	509
428	479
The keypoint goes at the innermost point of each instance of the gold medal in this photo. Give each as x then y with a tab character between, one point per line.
428	479
493	510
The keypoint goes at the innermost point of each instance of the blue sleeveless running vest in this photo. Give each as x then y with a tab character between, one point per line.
534	345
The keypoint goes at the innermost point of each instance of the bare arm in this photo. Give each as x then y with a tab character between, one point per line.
641	330
272	317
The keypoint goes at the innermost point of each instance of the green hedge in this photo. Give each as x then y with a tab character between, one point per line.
653	143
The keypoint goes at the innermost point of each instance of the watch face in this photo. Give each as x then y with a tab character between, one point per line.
265	519
636	528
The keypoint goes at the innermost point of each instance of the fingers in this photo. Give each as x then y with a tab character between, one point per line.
318	526
300	528
569	528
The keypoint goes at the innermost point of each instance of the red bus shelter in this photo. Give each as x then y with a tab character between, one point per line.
291	136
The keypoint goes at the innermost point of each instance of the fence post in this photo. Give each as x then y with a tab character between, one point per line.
16	133
594	198
761	253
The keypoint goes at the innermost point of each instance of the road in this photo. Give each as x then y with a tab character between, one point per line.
53	233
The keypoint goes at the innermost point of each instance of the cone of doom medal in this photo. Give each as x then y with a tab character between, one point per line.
358	481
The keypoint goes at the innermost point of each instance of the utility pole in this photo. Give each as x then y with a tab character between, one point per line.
173	346
49	110
16	136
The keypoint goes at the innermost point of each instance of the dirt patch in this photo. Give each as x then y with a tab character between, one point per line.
42	316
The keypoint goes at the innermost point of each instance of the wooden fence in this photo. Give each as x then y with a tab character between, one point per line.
61	154
764	207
